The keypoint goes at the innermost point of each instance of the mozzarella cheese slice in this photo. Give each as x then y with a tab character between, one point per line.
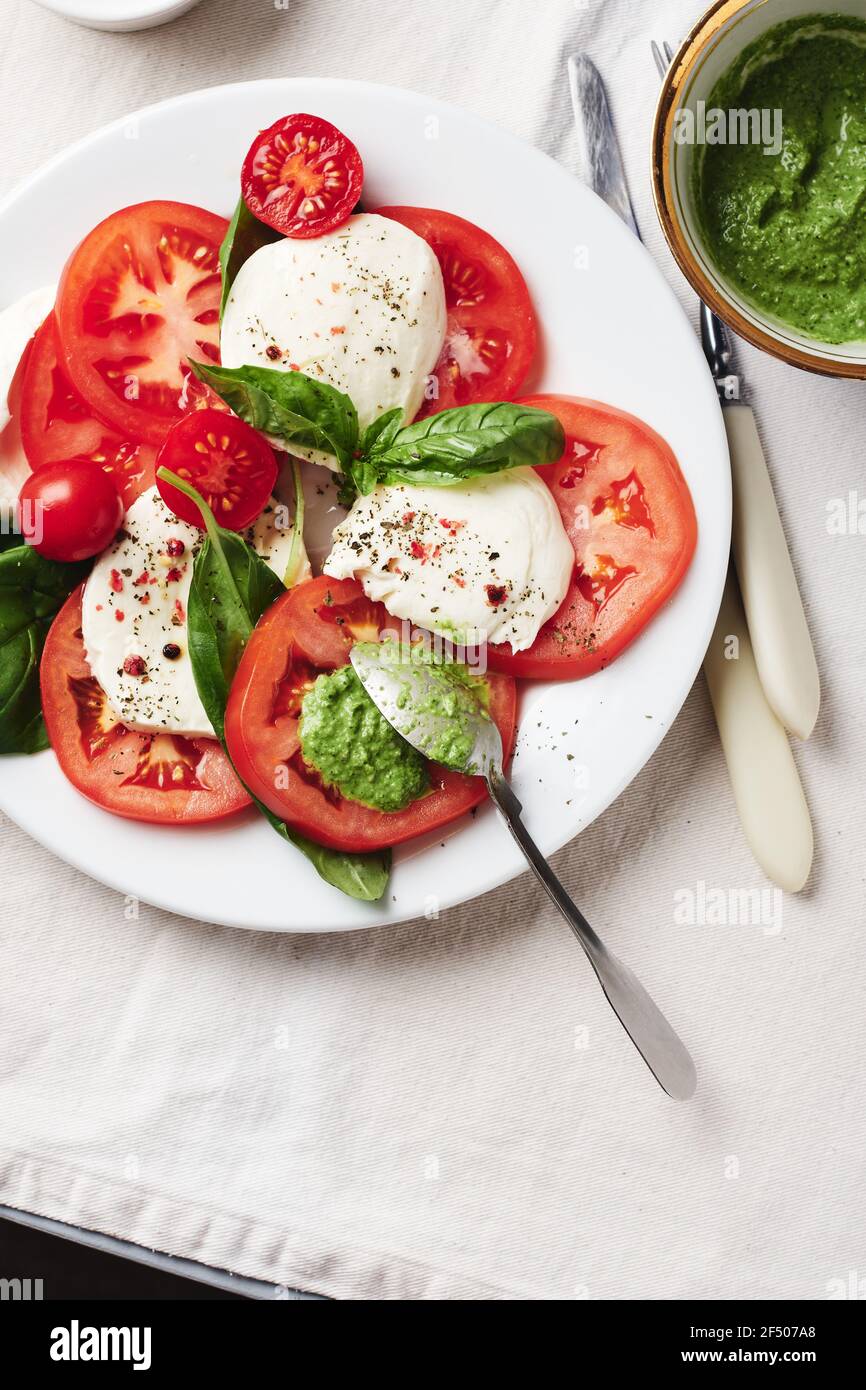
362	309
134	614
485	561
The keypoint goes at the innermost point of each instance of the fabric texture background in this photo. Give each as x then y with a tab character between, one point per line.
448	1109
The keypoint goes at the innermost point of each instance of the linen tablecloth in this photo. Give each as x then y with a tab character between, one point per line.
448	1109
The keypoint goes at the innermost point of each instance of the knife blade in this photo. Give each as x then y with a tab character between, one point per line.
599	146
762	769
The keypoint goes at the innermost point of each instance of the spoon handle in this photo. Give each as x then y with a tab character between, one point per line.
644	1022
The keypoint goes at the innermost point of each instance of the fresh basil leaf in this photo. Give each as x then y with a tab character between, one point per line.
289	406
361	876
231	588
364	475
296	553
347	493
466	442
245	235
32	589
381	433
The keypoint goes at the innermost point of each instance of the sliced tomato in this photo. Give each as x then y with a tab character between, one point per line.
14	467
308	630
302	176
57	426
628	513
334	615
162	778
137	299
228	462
491	337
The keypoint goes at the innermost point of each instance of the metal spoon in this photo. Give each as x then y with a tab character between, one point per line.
406	691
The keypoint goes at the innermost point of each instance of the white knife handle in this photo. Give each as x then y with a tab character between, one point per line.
767	787
780	635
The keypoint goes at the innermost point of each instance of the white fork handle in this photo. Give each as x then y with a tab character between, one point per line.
780	635
767	787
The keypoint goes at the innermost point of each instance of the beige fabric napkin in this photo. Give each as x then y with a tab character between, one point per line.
448	1109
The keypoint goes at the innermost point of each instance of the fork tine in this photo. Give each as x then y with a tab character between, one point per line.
659	58
668	51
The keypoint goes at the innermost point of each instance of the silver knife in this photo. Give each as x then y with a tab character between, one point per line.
600	153
767	787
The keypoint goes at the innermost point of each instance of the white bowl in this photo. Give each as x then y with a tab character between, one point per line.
119	15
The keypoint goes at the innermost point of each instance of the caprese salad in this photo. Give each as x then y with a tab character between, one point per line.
175	410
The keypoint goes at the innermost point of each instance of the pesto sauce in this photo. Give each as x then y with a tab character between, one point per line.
354	749
789	230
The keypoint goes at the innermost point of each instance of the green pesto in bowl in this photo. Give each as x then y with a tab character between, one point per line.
783	216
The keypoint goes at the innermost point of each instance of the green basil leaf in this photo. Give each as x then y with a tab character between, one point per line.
361	876
231	588
382	431
466	442
364	475
245	235
296	553
347	493
289	406
32	589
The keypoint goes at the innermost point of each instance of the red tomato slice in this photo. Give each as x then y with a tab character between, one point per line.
228	462
629	515
58	427
161	778
137	299
491	336
302	176
332	618
310	629
14	467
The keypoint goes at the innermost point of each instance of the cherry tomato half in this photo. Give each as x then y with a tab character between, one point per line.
70	510
302	176
227	461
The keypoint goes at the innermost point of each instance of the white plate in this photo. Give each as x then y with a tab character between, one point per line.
612	330
121	16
